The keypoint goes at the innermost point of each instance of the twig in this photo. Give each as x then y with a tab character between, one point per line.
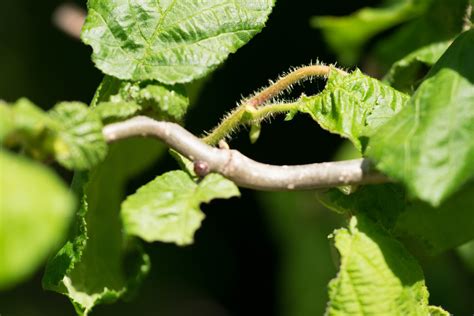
251	110
244	171
244	114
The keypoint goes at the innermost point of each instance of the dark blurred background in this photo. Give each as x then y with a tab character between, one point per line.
265	253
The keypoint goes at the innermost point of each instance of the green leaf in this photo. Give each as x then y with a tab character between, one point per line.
169	41
427	229
442	21
466	253
167	208
116	110
434	230
381	203
121	99
35	212
24	124
79	144
171	101
184	163
90	268
437	311
429	145
353	105
70	132
377	274
347	35
405	74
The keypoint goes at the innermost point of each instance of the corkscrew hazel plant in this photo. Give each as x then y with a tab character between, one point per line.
415	176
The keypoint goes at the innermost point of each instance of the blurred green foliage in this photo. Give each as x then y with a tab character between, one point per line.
267	253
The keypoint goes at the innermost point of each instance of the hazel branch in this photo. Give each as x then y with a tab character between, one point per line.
244	171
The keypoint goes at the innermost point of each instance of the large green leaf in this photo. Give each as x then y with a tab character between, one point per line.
79	144
353	105
35	212
377	275
167	208
169	41
90	268
429	144
406	73
428	229
347	35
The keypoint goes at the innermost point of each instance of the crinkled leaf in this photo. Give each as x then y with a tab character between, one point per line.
430	230
90	268
35	212
167	208
171	101
26	125
377	274
169	41
429	145
353	105
116	110
70	132
119	99
405	73
347	35
80	144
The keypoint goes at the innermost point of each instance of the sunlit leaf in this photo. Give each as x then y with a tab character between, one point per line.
79	143
169	41
119	99
429	145
353	105
70	132
167	208
377	274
